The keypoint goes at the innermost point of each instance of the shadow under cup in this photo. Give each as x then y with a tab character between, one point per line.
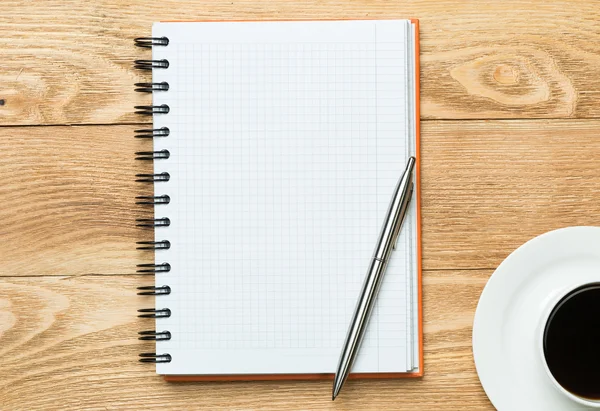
571	342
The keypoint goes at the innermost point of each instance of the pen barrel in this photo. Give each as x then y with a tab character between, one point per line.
393	219
360	318
370	288
383	249
369	291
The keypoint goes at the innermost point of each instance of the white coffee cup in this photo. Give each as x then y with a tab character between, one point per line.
548	311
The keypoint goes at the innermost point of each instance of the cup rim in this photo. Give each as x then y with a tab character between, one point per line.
546	314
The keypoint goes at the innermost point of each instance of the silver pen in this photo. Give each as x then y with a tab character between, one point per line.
383	249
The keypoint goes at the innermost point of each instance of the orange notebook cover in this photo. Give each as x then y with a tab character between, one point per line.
309	376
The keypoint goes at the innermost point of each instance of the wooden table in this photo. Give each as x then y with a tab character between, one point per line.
510	149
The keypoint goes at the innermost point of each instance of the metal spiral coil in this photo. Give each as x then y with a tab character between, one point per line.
153	200
154	313
151	64
152	178
153	222
153	268
152	155
154	245
152	132
151	290
154	357
151	110
153	335
149	42
151	87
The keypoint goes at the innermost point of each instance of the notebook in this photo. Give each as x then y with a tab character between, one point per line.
277	146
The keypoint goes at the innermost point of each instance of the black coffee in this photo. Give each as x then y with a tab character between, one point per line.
572	342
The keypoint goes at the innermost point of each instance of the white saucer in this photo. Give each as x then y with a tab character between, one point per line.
507	326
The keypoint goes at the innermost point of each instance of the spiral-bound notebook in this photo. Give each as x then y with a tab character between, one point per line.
277	146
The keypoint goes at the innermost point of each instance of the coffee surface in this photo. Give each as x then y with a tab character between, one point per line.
572	342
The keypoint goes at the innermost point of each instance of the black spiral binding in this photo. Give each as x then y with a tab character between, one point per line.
152	200
152	132
153	222
151	64
151	87
160	200
155	336
151	110
152	155
154	313
148	42
155	358
154	268
152	178
150	290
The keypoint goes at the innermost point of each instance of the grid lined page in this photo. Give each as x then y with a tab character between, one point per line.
287	139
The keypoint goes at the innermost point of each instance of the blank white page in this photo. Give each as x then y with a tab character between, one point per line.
286	141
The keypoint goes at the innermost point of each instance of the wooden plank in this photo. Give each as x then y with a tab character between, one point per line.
68	197
69	63
488	186
71	343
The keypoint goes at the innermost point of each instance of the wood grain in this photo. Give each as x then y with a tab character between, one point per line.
67	301
488	186
71	343
68	196
71	63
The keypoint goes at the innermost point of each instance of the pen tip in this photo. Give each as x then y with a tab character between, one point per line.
336	391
